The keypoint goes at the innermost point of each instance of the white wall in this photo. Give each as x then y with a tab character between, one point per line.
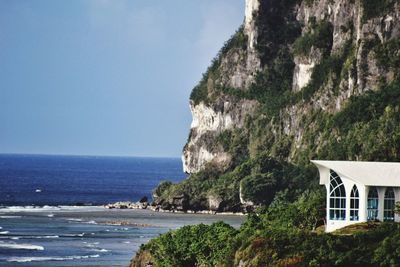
333	225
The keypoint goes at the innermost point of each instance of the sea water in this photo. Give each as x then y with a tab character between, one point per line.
41	224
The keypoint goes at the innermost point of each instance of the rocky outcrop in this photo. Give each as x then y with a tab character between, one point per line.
238	69
363	73
279	97
208	122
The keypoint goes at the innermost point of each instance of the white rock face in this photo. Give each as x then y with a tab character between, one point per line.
251	8
302	75
207	119
243	200
208	122
239	66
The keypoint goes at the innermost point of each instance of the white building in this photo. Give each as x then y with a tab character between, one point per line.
359	191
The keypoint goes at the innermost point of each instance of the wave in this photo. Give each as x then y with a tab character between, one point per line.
74	235
74	220
47	208
20	246
103	250
29	208
30	237
9	217
90	244
55	258
4	232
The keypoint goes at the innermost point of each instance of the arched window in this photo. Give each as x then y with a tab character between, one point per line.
388	209
354	203
337	198
372	204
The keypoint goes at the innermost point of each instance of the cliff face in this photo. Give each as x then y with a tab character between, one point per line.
302	79
237	69
340	30
299	80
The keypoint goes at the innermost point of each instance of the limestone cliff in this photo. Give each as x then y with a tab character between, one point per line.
299	80
347	27
237	69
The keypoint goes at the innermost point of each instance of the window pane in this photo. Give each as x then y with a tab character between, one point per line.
337	200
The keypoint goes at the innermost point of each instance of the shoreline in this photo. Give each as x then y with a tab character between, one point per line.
122	205
147	206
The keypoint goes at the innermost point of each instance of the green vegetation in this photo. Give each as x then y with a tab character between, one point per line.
374	8
204	90
388	54
261	178
320	37
198	245
279	237
329	69
277	27
271	167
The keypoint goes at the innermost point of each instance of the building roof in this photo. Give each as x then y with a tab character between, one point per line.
364	172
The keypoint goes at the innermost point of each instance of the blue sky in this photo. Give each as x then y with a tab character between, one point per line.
105	77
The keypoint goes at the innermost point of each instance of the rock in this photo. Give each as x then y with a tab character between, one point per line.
143	200
180	203
142	259
215	202
208	122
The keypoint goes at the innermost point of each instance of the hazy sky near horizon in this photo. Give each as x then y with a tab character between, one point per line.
105	77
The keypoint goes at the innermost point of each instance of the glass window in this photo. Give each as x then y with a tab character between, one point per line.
372	204
337	198
389	202
354	203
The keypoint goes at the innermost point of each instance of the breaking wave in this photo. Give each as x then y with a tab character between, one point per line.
56	258
20	246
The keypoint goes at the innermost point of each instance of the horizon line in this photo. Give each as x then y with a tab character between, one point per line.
86	155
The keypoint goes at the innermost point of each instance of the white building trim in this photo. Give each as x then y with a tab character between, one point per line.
365	176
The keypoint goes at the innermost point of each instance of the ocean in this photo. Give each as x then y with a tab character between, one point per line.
51	214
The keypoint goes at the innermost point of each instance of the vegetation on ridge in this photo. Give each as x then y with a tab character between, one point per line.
270	165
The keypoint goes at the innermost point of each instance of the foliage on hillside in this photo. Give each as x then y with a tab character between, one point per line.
373	8
260	178
279	237
198	245
366	127
271	170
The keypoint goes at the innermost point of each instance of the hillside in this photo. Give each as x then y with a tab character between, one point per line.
300	80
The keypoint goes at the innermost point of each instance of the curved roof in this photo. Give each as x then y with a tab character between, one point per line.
364	172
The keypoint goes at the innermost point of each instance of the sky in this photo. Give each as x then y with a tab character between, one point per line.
105	77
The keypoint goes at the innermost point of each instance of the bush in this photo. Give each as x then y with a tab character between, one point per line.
201	91
162	187
259	188
319	37
198	245
374	8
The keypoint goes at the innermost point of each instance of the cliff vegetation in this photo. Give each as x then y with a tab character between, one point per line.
300	80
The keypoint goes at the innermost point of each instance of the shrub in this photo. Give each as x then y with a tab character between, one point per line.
319	37
374	8
197	245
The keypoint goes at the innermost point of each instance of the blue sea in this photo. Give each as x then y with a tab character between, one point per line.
51	213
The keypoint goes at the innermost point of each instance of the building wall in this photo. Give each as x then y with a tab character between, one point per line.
363	190
332	225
